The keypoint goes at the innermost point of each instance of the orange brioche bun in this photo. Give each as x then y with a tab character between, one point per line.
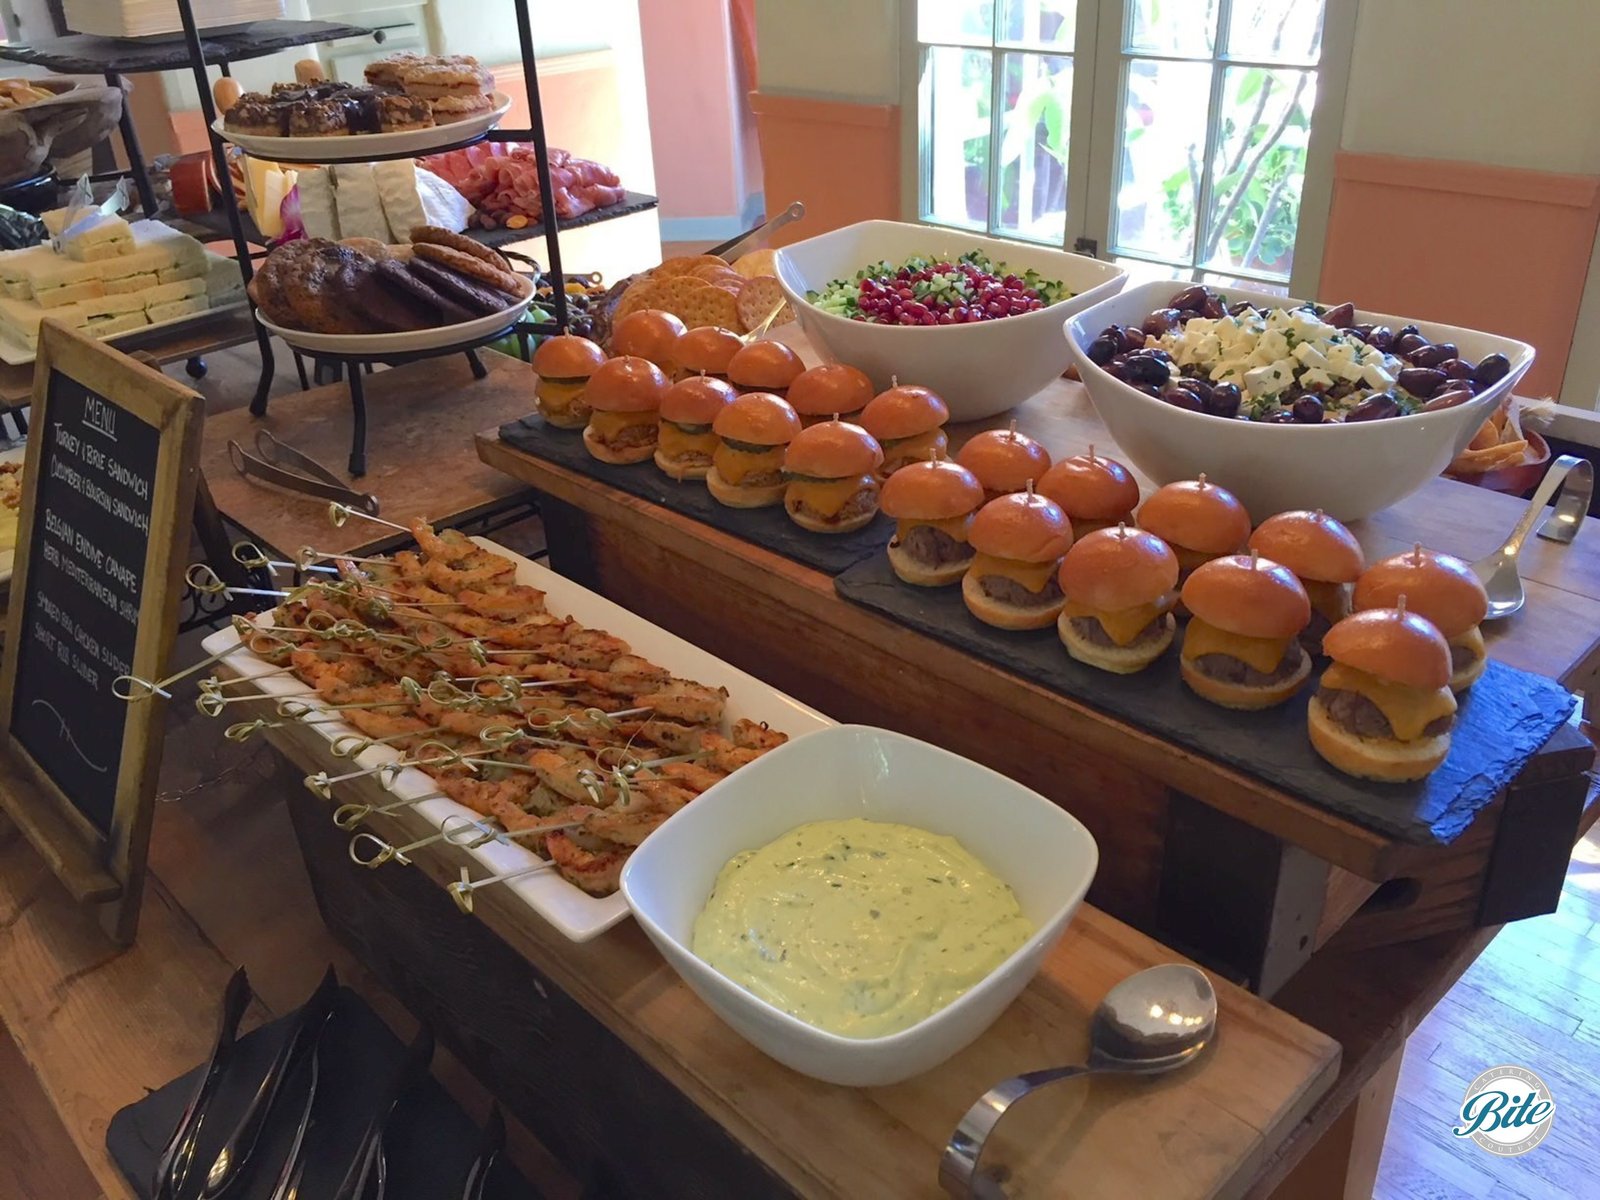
1248	595
764	366
929	492
833	389
832	450
707	349
1312	545
903	411
648	333
1093	490
1023	528
567	357
1441	588
1004	460
1114	570
1199	520
626	385
698	400
757	419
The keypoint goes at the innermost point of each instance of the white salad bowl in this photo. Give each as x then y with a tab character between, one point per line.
979	369
1046	856
1349	470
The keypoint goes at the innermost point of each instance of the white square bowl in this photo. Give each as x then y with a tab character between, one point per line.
979	369
1045	855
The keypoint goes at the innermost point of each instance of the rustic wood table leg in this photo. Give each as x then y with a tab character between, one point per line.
1343	1165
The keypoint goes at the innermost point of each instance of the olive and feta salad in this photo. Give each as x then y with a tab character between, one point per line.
1307	365
938	291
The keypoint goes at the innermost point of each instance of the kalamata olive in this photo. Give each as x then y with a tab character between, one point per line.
1340	315
1213	309
1159	353
1492	368
1405	329
1432	356
1103	349
1421	382
1239	307
1456	368
1132	339
1361	331
1380	338
1163	320
1117	368
1449	399
1142	368
1377	407
1405	343
1200	387
1307	409
1224	400
1191	299
1150	389
1282	417
1181	398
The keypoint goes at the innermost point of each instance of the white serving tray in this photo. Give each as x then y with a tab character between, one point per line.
379	344
575	913
362	147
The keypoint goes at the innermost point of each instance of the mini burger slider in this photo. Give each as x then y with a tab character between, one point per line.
908	422
1384	708
564	365
624	396
834	391
1326	558
1119	588
764	366
687	440
1445	591
1019	541
1199	520
1242	648
1094	491
648	333
705	350
1004	460
753	432
932	503
831	486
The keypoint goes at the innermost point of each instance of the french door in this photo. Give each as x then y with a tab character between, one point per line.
1180	137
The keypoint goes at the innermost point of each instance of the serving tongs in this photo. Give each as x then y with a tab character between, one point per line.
368	1176
729	248
281	465
300	1041
177	1157
490	1147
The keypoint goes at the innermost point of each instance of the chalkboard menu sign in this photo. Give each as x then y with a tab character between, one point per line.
80	613
108	502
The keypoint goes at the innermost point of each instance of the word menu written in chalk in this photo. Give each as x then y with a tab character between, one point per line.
90	530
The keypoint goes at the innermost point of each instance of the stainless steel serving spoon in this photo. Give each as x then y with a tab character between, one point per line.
1498	571
1150	1023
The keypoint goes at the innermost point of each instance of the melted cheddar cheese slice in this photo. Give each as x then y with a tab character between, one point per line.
736	465
1264	654
607	425
919	447
1123	625
1032	576
559	395
825	496
955	527
1409	710
1471	640
675	442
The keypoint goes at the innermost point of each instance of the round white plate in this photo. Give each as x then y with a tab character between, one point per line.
365	146
380	344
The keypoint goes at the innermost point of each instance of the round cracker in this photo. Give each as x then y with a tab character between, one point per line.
757	262
695	302
640	296
711	272
758	297
685	263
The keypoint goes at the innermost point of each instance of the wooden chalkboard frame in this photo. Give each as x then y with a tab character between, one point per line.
94	867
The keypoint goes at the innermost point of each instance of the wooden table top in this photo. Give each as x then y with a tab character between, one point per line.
420	421
1203	1132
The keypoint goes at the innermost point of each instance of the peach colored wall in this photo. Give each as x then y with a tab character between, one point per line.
694	109
1467	244
842	161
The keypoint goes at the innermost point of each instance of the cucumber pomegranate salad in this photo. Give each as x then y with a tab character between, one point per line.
938	291
1307	365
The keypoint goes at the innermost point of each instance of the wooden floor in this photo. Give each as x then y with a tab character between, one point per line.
1533	1000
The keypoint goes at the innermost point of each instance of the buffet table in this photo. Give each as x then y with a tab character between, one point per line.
1355	932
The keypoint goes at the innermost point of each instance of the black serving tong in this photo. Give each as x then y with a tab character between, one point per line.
302	1038
367	1178
293	1170
177	1157
490	1147
793	213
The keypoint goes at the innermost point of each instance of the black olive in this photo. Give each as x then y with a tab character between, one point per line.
1282	417
1240	307
1405	343
1132	339
1432	356
1144	369
1224	400
1456	368
1212	308
1380	338
1181	398
1163	320
1405	329
1421	382
1364	332
1340	315
1307	409
1191	299
1492	368
1377	407
1103	349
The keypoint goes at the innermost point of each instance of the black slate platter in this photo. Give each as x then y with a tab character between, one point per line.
430	1141
769	528
1502	721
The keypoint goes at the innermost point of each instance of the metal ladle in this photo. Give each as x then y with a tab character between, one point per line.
1498	571
1150	1023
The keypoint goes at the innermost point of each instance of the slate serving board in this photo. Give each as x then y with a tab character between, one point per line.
769	528
1502	721
430	1142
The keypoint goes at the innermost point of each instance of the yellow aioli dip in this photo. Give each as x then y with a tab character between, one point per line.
861	928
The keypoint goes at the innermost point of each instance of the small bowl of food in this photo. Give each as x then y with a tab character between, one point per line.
975	318
860	905
1286	404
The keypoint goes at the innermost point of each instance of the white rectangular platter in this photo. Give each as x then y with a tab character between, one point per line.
573	911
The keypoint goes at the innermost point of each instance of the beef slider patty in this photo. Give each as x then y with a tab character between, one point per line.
931	547
1227	669
1091	631
1009	591
1354	712
478	298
